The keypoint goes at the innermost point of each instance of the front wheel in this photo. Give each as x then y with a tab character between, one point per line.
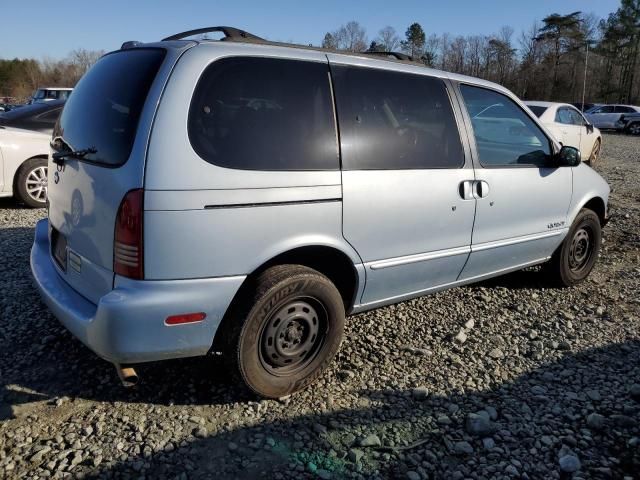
575	257
595	153
286	329
31	183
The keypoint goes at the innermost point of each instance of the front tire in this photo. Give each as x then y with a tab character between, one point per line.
576	256
595	153
284	331
31	183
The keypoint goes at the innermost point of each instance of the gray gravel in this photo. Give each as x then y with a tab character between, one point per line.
507	379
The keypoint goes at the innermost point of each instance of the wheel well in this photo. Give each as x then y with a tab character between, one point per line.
17	172
596	204
329	261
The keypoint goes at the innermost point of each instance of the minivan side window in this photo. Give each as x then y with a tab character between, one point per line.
256	113
394	120
505	135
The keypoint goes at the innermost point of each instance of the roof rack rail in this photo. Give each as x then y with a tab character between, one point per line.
396	55
230	33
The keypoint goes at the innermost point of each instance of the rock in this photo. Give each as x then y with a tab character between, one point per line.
469	324
319	428
370	441
594	395
596	421
420	393
496	354
355	455
324	474
511	470
232	446
411	475
634	391
40	453
461	337
478	424
463	448
200	432
346	374
569	463
488	443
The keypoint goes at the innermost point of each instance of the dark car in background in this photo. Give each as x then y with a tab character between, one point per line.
584	107
629	123
40	117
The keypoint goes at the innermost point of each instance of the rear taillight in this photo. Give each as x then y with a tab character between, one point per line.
128	255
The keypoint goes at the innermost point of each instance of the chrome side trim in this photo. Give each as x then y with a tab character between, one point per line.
515	240
423	257
420	257
418	293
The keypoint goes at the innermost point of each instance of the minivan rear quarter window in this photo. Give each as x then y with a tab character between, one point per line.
105	107
256	113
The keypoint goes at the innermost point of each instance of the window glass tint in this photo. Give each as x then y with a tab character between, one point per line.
624	110
105	107
264	114
576	117
563	115
605	109
537	110
392	120
505	135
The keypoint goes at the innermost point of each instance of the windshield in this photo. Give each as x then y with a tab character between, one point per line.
105	107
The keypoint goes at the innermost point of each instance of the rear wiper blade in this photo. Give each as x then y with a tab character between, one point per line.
58	157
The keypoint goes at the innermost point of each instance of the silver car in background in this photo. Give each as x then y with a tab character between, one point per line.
241	197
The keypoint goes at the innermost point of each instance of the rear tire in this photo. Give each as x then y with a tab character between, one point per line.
576	256
31	183
634	128
595	154
283	330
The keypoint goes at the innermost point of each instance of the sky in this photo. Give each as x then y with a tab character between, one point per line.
40	29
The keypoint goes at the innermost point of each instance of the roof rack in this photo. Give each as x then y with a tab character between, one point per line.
396	55
230	33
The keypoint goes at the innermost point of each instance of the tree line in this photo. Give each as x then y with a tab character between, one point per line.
19	78
544	62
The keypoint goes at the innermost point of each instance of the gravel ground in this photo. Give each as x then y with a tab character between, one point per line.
541	383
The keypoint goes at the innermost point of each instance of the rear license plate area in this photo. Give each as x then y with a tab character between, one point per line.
59	248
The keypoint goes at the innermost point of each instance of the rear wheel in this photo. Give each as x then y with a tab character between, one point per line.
31	183
286	329
634	128
574	259
595	153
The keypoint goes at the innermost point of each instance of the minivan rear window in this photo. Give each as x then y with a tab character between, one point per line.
105	107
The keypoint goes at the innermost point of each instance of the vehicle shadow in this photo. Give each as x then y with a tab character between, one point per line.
539	416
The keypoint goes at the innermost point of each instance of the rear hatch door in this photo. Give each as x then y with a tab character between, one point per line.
110	113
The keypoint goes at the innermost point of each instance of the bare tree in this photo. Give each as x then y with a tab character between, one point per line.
388	39
351	37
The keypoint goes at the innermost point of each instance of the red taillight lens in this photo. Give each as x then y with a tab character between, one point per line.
128	258
185	318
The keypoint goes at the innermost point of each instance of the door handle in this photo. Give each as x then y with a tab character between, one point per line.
465	190
480	189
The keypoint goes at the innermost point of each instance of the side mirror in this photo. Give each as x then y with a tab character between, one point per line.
568	157
589	127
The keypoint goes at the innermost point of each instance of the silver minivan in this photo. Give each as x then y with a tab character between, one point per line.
240	197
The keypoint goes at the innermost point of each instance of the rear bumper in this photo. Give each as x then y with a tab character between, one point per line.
127	325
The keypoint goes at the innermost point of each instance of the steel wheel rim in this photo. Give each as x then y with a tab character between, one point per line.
293	336
635	129
36	184
581	249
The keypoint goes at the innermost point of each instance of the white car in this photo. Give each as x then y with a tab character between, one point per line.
570	127
23	165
